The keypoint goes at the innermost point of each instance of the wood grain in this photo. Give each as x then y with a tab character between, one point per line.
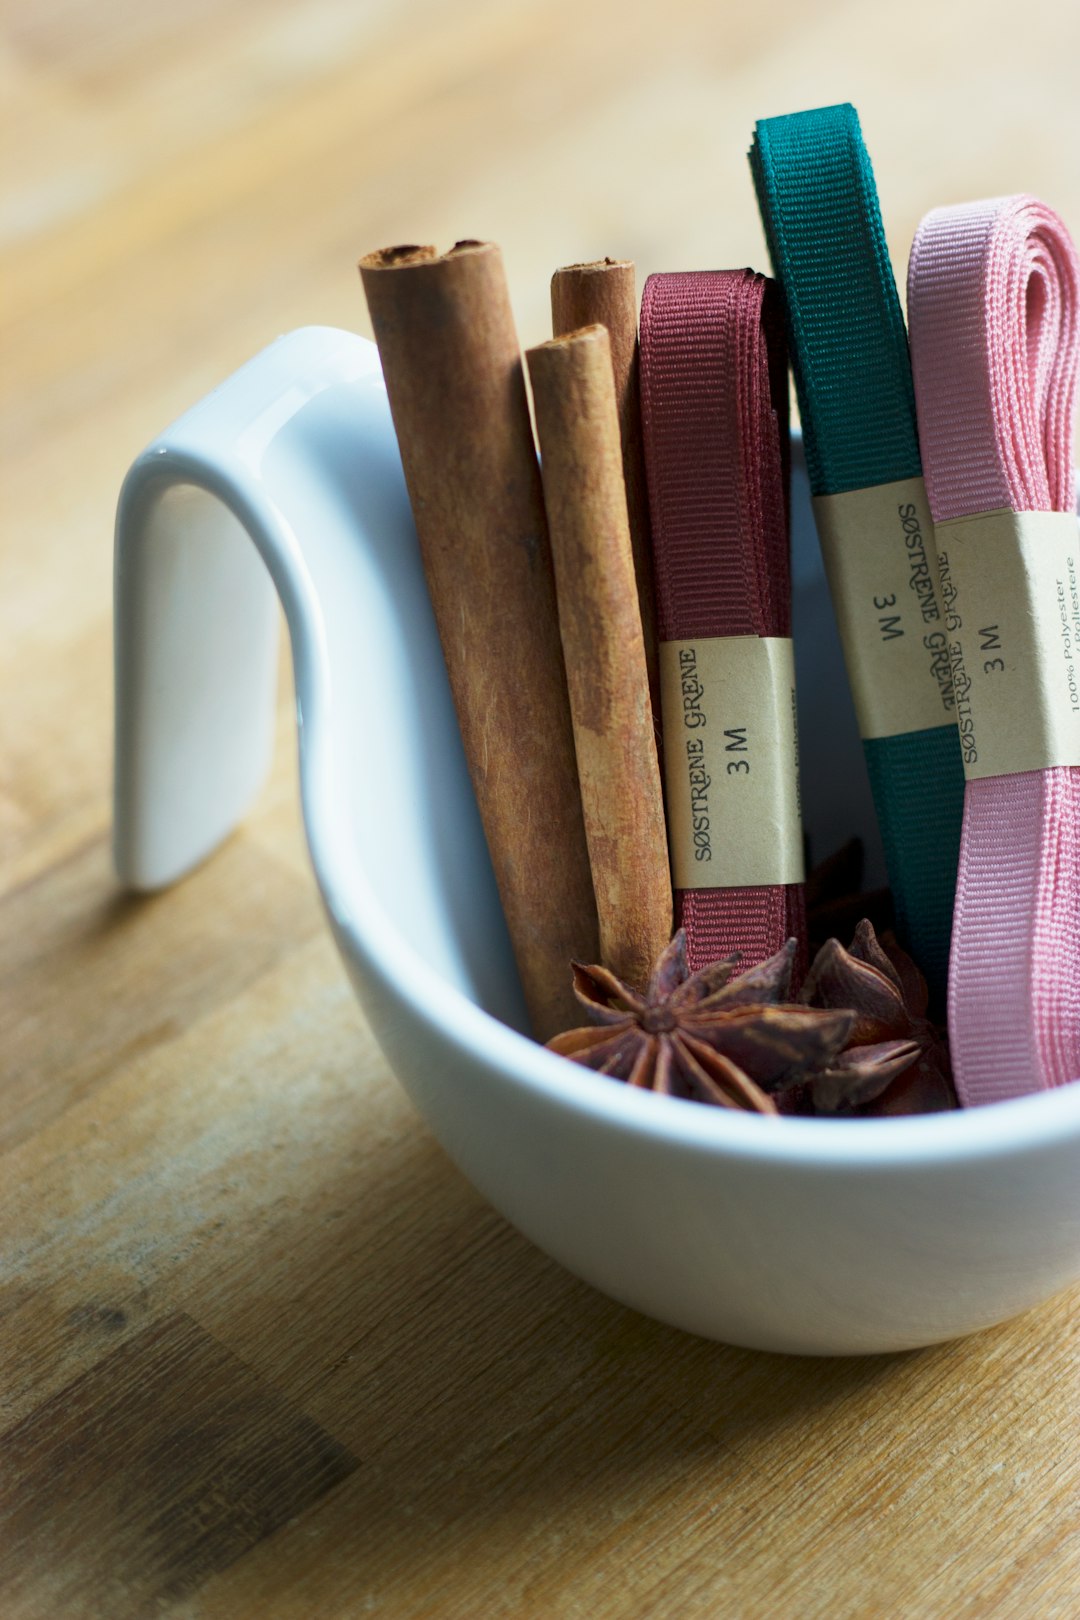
262	1351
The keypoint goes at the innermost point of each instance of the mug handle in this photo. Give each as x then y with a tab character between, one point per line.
202	546
287	481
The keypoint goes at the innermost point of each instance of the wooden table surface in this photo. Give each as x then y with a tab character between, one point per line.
265	1353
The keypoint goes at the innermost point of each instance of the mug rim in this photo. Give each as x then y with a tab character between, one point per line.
1005	1129
1001	1128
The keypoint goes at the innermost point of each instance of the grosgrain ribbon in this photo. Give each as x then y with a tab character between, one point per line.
849	354
715	417
994	303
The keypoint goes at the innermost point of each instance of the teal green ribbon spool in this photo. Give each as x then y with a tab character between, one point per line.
849	353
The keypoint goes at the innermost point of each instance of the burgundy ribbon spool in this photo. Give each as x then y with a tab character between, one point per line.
714	396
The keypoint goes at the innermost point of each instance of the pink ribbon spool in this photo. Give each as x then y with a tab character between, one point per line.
993	303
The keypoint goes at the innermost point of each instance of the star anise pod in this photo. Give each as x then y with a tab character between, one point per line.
887	996
714	1036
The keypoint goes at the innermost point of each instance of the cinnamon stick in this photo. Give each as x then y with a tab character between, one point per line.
600	623
454	376
604	293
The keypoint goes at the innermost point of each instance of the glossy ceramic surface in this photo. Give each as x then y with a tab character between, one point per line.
796	1235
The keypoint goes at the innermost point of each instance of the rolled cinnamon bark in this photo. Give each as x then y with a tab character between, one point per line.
604	293
454	375
600	623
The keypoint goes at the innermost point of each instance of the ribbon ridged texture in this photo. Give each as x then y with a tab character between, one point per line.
715	416
849	354
993	300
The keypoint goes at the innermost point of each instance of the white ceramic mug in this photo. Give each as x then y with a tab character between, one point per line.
799	1235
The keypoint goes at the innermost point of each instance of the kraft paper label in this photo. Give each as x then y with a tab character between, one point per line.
731	761
878	548
1010	593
